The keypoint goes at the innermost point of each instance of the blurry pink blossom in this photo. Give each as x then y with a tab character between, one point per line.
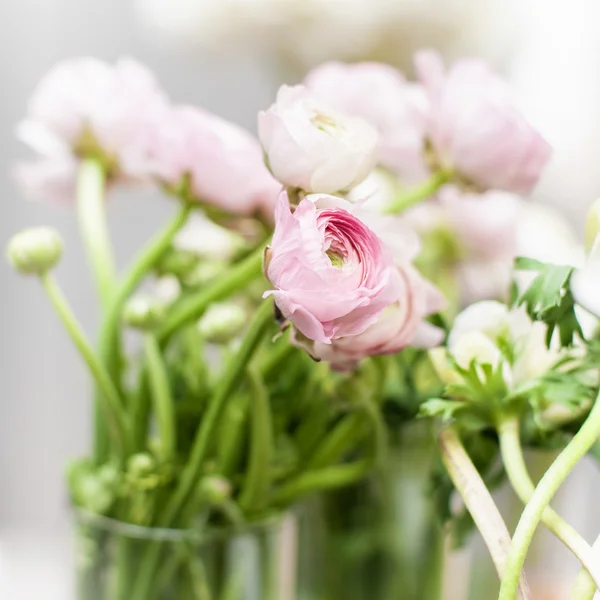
400	325
86	108
310	146
474	128
335	280
224	162
381	96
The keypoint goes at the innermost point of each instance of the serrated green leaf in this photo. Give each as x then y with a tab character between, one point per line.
549	299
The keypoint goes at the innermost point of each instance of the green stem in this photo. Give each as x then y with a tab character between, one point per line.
408	198
192	307
160	392
230	379
91	204
337	441
546	488
112	405
140	411
516	469
149	255
479	502
585	587
320	480
255	490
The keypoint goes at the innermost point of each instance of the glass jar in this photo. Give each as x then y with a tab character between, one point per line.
265	561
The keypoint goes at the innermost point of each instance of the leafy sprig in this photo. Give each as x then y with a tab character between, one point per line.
549	299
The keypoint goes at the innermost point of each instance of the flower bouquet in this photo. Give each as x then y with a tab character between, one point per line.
318	315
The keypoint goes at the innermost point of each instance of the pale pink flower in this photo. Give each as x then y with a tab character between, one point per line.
86	108
400	325
334	279
223	161
310	146
381	96
475	129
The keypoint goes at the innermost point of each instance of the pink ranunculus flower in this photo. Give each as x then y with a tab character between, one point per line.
85	107
310	146
223	161
474	128
381	96
400	325
335	279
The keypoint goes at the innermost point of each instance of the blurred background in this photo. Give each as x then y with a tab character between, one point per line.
230	56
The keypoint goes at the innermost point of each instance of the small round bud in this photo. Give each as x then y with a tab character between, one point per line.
214	489
177	262
35	251
141	464
143	312
204	273
592	226
222	322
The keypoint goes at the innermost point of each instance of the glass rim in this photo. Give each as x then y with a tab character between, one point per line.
171	534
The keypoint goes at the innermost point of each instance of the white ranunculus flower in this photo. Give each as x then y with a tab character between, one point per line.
312	147
483	332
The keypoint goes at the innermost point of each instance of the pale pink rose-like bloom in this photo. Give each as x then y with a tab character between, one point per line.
381	96
400	325
346	292
223	161
310	146
86	107
475	129
485	229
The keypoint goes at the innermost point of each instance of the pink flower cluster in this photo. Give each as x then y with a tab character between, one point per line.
347	293
118	115
341	272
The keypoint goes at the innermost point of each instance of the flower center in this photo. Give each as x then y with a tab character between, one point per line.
336	258
327	124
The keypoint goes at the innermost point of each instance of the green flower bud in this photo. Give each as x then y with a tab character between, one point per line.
205	272
214	489
143	312
222	322
177	262
35	251
141	464
592	226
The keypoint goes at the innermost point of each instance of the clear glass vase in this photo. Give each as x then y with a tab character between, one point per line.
266	561
381	537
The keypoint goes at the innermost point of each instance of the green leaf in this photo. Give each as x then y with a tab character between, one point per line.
549	299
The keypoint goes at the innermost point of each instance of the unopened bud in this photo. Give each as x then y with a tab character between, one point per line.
35	251
141	464
222	322
177	262
143	312
214	489
592	227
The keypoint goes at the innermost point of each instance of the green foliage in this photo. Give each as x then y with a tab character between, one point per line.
549	299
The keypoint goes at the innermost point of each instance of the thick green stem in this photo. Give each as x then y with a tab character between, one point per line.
255	490
192	307
425	190
111	402
544	492
160	392
479	502
320	480
230	379
91	205
337	441
585	587
516	469
149	255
